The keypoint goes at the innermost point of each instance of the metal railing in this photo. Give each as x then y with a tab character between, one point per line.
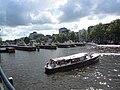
5	80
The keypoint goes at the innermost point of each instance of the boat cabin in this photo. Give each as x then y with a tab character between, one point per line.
67	60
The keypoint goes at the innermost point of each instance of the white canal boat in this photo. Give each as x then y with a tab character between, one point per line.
70	62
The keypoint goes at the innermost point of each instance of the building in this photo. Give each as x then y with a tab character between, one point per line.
63	30
90	28
48	38
35	35
79	35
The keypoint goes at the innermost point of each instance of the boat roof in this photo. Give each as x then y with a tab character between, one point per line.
70	56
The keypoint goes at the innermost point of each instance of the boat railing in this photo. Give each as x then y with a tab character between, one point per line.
5	84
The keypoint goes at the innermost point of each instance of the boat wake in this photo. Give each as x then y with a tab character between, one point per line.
108	46
109	54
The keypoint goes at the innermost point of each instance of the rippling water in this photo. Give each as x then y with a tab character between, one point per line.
27	70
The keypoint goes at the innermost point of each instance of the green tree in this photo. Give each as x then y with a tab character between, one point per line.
84	35
105	33
54	37
114	31
61	37
0	40
73	36
98	33
40	40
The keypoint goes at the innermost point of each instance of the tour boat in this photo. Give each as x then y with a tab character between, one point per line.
70	62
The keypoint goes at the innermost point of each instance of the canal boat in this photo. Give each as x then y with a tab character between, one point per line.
70	62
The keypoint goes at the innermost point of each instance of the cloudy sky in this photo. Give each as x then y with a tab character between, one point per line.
18	18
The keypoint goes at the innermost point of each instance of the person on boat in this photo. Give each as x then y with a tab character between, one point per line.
47	64
77	59
52	63
85	57
91	56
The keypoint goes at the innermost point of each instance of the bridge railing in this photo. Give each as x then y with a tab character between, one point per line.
4	81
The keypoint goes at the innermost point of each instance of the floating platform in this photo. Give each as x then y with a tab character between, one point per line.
26	48
47	47
7	50
63	45
80	44
68	45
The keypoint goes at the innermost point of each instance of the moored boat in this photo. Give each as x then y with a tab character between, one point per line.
70	62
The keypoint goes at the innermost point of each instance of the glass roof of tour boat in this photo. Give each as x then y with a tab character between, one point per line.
70	56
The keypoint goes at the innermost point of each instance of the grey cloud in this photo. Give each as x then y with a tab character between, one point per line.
2	12
108	7
74	10
18	12
23	33
2	19
42	18
42	27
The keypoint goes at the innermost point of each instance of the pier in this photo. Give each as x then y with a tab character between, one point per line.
47	47
68	45
25	48
15	47
7	50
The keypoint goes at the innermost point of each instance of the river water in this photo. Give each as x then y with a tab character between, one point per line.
27	70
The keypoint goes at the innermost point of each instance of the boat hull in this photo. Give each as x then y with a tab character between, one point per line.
72	66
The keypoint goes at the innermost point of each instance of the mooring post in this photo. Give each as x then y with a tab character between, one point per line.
38	49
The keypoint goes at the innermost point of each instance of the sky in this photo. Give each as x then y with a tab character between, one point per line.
19	18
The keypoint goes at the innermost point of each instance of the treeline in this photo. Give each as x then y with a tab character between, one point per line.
100	33
64	37
105	33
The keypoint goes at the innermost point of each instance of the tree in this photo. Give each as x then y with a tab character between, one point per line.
114	31
40	39
105	33
61	37
0	40
84	35
73	36
97	33
54	38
